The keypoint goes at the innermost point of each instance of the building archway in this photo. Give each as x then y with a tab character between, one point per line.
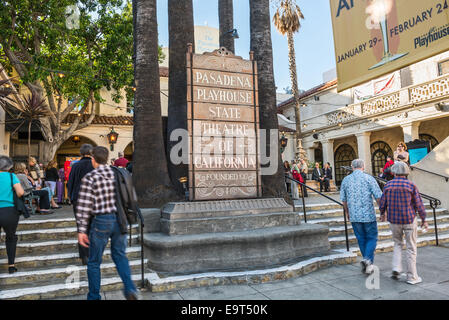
129	150
343	157
71	149
380	150
427	137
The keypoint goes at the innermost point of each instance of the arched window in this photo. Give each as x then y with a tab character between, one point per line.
379	152
427	137
343	157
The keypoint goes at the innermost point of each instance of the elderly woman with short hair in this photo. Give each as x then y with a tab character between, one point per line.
9	218
401	200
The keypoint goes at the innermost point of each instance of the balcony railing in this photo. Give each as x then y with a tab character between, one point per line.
405	98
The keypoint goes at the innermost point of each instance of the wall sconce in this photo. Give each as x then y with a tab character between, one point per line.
112	138
234	33
76	139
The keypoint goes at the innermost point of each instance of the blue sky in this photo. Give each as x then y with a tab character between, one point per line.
314	43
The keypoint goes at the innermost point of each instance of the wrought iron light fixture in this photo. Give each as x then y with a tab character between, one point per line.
234	33
76	139
183	180
112	138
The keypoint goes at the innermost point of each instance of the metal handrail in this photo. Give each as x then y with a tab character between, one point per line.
434	173
323	195
142	266
434	202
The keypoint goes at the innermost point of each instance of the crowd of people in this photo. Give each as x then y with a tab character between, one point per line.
299	170
92	192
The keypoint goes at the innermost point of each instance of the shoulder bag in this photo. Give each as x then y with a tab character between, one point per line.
19	205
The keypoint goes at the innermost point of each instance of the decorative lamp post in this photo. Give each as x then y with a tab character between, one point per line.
283	142
183	180
112	138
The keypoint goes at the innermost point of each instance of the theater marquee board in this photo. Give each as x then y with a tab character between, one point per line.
375	37
223	125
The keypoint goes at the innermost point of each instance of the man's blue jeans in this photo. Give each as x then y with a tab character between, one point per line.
366	234
101	229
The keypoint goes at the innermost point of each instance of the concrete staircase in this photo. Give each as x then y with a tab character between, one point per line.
48	264
331	214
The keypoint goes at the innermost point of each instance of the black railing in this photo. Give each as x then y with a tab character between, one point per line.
434	202
303	185
142	265
434	173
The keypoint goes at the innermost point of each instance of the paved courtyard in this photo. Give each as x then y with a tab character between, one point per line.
339	282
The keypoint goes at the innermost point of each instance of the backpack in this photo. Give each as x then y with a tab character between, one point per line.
126	199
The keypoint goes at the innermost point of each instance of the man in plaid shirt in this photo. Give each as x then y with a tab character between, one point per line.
97	222
401	199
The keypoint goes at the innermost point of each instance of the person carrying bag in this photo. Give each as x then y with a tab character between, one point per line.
10	191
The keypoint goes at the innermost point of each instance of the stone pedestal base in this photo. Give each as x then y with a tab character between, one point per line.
234	250
229	235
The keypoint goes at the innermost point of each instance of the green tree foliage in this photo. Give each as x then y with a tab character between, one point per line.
68	50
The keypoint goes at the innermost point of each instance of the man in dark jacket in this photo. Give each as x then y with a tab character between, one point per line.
318	175
78	171
327	176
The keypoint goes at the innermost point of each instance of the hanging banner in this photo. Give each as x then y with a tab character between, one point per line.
375	37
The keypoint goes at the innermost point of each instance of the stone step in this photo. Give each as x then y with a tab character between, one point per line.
45	247
387	245
339	220
58	290
338	212
339	230
385	235
23	279
328	205
33	224
229	224
49	234
61	258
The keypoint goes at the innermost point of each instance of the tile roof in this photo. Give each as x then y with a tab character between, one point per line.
105	120
309	92
163	72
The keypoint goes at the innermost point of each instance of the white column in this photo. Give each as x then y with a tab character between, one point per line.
311	154
328	153
411	131
363	146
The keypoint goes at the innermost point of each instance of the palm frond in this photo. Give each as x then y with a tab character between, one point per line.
287	17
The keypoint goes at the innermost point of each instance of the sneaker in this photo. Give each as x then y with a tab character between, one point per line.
395	275
369	268
364	264
416	281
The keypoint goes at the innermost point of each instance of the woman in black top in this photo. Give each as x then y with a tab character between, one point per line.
51	177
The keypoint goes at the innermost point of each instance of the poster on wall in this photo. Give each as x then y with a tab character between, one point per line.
376	37
417	150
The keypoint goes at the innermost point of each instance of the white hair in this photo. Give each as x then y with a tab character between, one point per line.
357	164
400	169
5	163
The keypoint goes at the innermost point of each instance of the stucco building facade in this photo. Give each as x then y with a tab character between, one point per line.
368	121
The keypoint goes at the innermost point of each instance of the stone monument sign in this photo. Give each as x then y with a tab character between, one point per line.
223	126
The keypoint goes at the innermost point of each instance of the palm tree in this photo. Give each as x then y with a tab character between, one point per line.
150	173
226	17
287	20
32	108
260	25
181	32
